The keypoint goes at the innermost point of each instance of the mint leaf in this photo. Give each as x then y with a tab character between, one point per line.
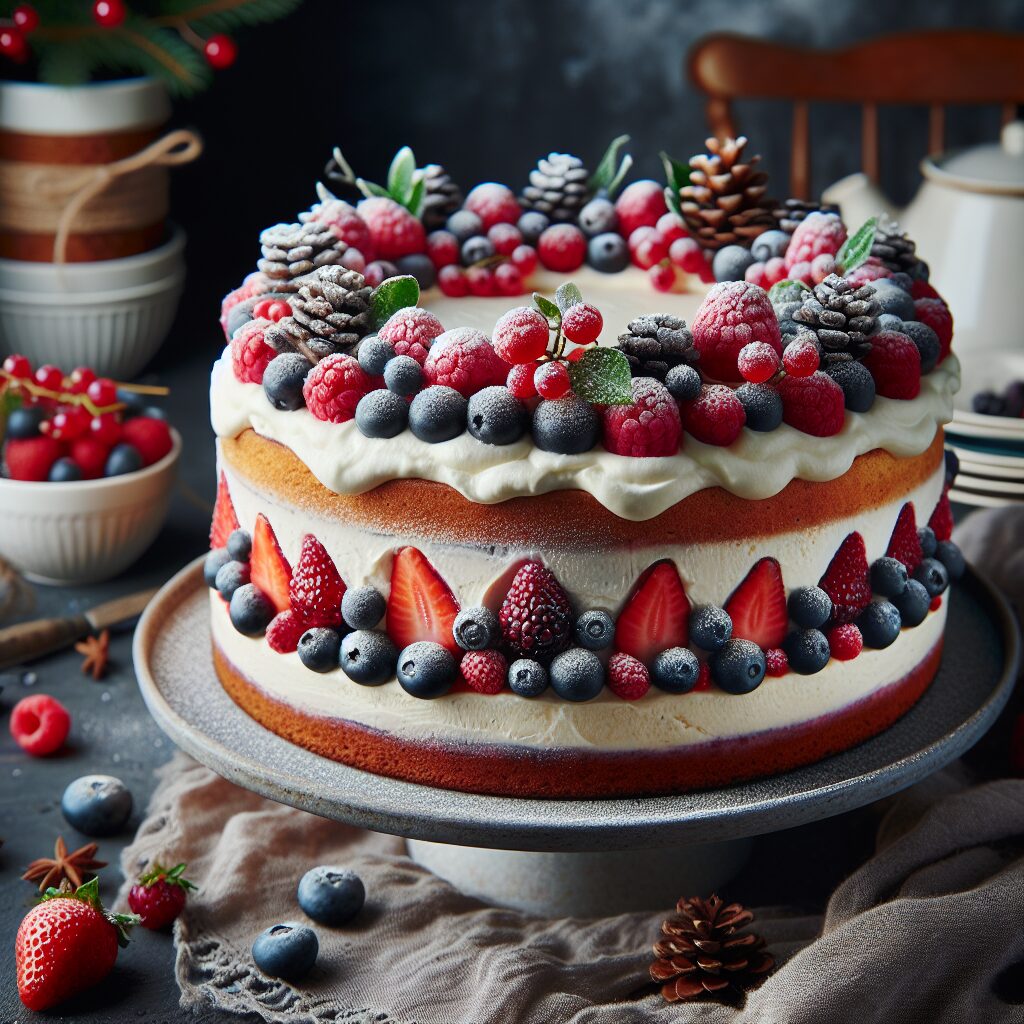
787	291
856	249
392	295
400	175
371	189
672	201
610	171
677	174
601	376
548	308
567	295
416	196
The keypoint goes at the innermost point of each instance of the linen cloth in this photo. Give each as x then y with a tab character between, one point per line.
929	929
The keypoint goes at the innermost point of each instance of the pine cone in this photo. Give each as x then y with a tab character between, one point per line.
654	344
291	251
330	313
897	251
790	212
725	203
441	197
705	952
842	317
558	187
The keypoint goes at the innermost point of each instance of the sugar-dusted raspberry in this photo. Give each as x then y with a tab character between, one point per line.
628	677
801	358
733	314
343	220
686	254
493	204
813	404
640	204
671	227
520	381
755	274
254	284
284	631
505	238
935	313
776	661
443	249
822	265
801	272
894	361
757	362
562	247
394	231
646	247
716	416
452	281
334	386
551	380
250	353
412	331
649	426
582	323
521	335
817	233
484	671
845	642
507	279
464	359
872	269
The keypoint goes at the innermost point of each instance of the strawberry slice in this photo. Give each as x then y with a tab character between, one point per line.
316	588
421	605
941	521
904	544
757	606
225	522
846	580
656	615
268	568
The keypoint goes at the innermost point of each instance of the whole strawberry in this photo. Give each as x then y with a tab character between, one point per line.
159	895
66	944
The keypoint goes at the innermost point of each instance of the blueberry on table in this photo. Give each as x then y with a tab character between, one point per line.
286	951
97	805
331	896
676	670
368	657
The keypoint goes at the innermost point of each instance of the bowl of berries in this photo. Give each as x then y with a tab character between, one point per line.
88	472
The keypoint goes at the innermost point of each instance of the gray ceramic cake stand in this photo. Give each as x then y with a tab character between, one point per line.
574	857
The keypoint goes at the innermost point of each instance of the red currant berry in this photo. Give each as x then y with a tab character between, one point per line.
520	381
551	380
18	367
800	358
663	276
525	258
480	281
507	279
582	323
755	275
646	247
50	377
505	238
80	379
102	392
521	336
442	248
70	423
671	228
12	43
576	354
686	254
220	51
26	18
452	281
105	428
758	362
109	13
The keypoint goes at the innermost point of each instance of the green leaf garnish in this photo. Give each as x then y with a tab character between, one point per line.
90	893
567	295
857	248
416	196
400	175
548	308
787	291
392	295
601	376
371	189
677	174
611	171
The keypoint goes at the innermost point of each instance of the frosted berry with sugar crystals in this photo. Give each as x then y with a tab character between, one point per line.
646	247
443	248
521	335
758	362
582	323
640	204
412	331
662	276
649	426
505	238
895	363
715	416
464	359
334	386
551	380
562	248
733	314
508	280
813	404
493	204
817	233
452	281
394	231
801	358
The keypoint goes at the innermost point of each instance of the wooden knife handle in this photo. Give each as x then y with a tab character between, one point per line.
28	640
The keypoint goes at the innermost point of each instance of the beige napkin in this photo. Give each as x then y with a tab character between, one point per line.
920	933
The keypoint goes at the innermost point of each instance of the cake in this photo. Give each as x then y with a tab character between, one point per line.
679	520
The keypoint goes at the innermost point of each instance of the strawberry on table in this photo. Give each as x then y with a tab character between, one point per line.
159	895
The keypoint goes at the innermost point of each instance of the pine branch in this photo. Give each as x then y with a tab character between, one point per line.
165	54
224	15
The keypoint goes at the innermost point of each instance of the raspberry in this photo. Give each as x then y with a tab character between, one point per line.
662	276
521	335
149	436
484	671
271	309
923	290
872	269
493	204
646	247
551	380
801	358
508	280
715	416
315	589
345	223
452	281
774	271
40	724
562	247
777	662
284	631
845	642
641	204
443	248
394	231
412	331
628	677
524	259
822	265
895	364
251	286
536	616
671	228
649	426
480	281
505	238
250	354
813	404
582	323
334	386
757	362
935	313
520	381
733	314
378	271
817	233
31	458
464	359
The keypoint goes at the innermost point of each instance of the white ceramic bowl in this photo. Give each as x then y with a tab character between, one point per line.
85	531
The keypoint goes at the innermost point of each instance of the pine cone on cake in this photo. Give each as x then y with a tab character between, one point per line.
705	952
897	251
725	202
330	313
790	212
559	187
291	251
842	317
654	344
441	197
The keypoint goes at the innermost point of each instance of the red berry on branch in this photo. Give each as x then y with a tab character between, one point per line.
50	377
12	43
81	377
18	367
551	380
105	428
102	392
220	51
109	13
26	18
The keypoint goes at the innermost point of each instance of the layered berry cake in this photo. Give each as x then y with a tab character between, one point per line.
676	519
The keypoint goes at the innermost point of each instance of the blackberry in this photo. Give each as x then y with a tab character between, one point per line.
559	188
654	344
842	317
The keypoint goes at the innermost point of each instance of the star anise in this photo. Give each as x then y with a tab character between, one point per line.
75	866
95	651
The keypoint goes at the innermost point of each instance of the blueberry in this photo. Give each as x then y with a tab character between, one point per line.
608	253
683	382
1014	398
768	245
902	281
362	607
154	412
212	563
251	610
476	628
426	669
577	674
123	459
319	647
739	667
730	263
762	404
893	299
418	265
913	604
368	657
890	322
283	379
64	470
567	426
710	627
24	422
532	225
809	607
932	575
464	224
595	630
926	340
381	413
403	375
286	951
857	383
238	316
879	624
230	576
888	577
527	678
331	896
952	465
97	805
988	403
598	217
952	558
240	545
807	651
373	354
495	416
437	414
476	249
676	670
926	535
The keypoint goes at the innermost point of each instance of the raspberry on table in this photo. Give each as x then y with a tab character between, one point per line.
895	363
40	724
412	331
464	359
484	671
250	353
505	238
562	248
508	280
628	677
452	281
733	314
493	204
521	335
813	404
776	662
716	416
646	247
817	233
480	281
443	248
648	427
334	386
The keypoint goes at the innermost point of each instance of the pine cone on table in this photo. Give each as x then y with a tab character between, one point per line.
441	197
842	317
654	344
705	953
790	212
291	251
559	187
897	251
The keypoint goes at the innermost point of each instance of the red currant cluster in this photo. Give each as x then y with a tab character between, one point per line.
666	249
494	262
